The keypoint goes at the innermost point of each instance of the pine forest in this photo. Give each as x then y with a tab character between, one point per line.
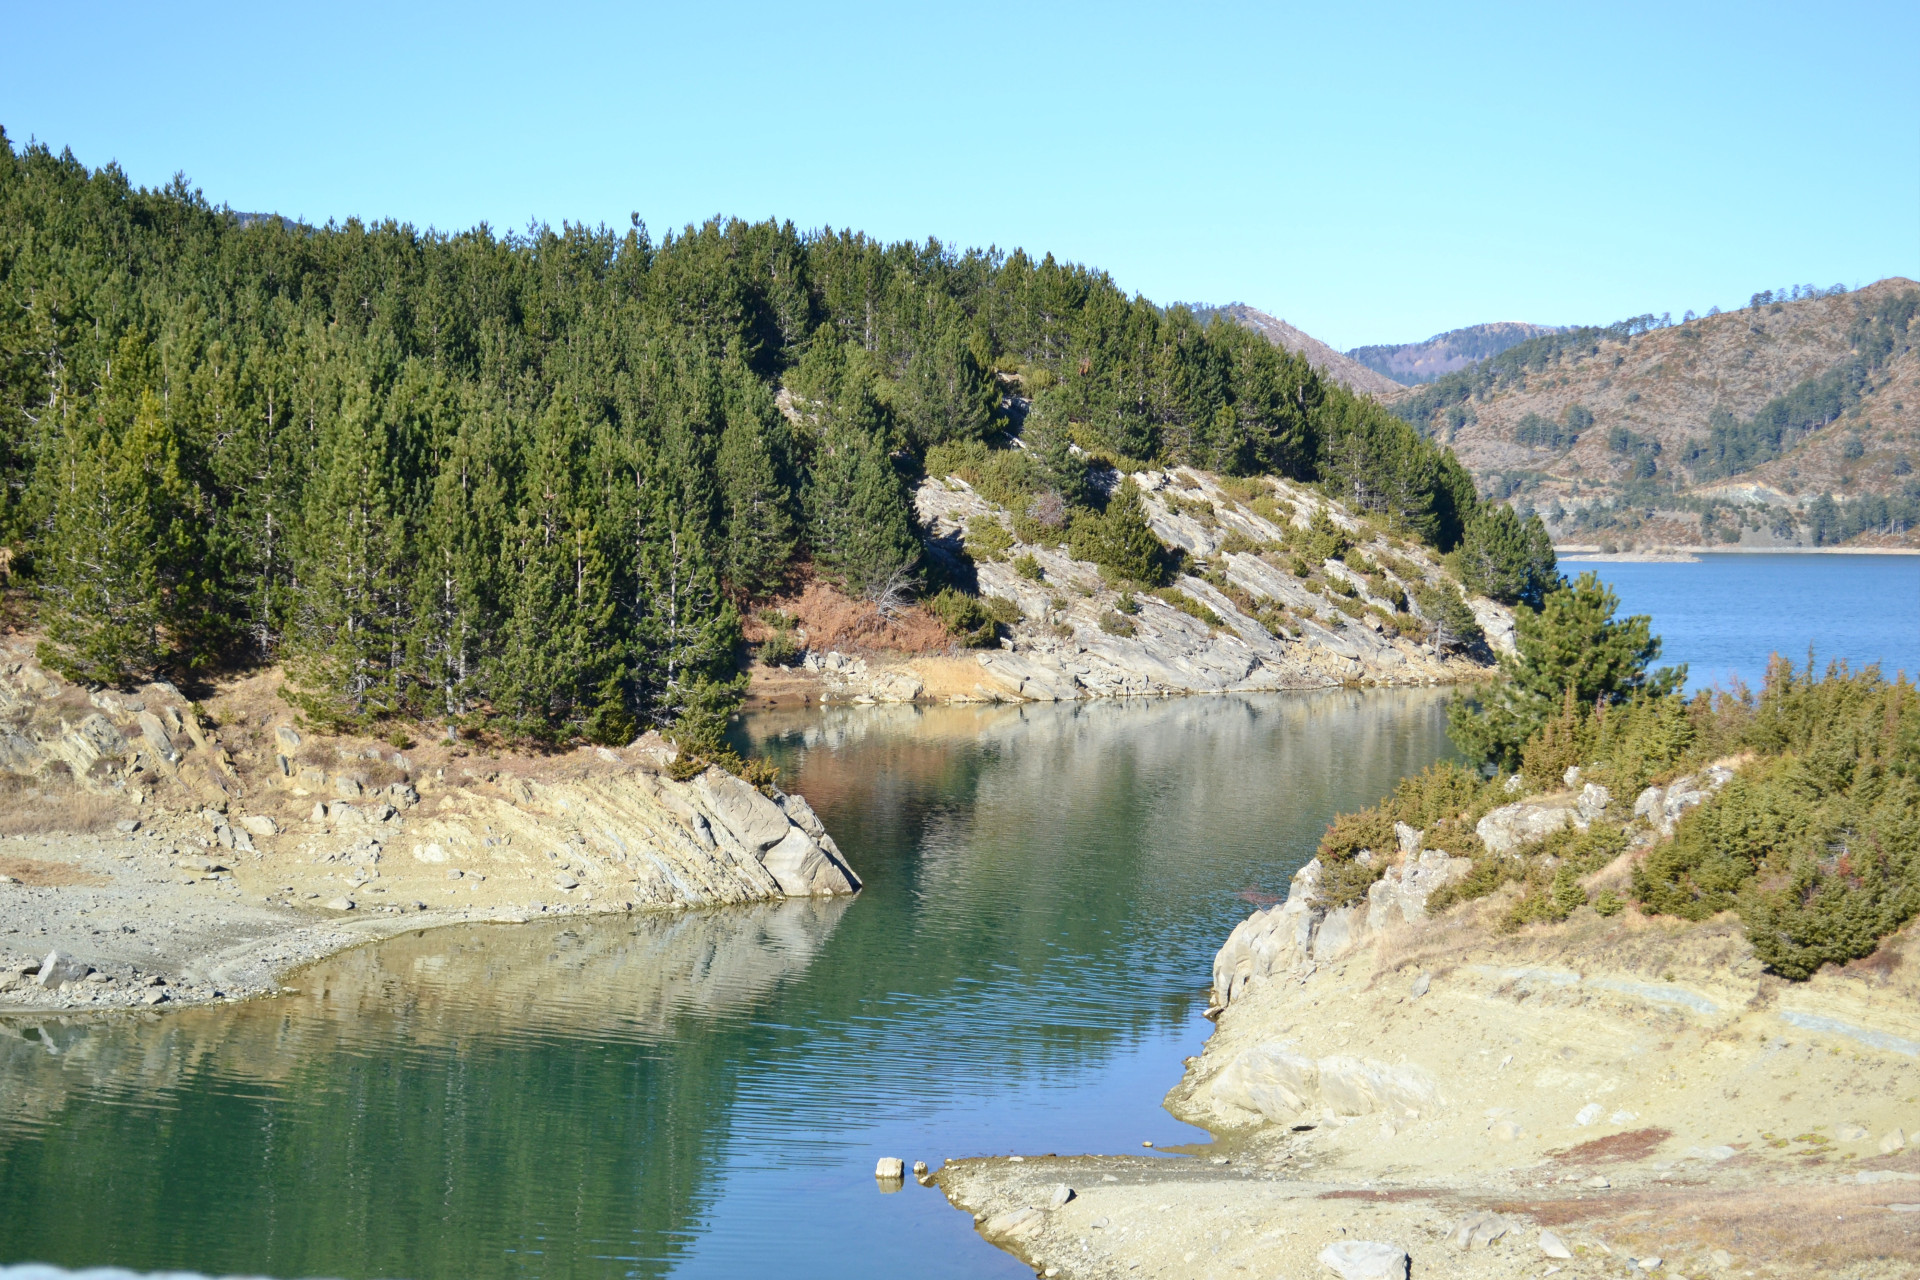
527	484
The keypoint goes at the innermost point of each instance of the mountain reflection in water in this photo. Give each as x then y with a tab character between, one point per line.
705	1093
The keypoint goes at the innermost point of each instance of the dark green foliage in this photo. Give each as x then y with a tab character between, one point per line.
860	519
1830	522
1506	557
1453	623
124	567
1573	642
1816	844
528	482
1541	433
1120	541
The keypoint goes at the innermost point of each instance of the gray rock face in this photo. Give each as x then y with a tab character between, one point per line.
1301	933
1512	826
1366	1260
754	820
1662	807
1063	653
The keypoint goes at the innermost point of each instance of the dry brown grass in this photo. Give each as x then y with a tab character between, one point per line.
52	803
834	621
42	875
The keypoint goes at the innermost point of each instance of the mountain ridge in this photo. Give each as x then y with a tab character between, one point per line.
1411	363
1789	422
1351	374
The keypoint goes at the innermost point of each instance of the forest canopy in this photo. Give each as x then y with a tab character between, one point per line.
530	481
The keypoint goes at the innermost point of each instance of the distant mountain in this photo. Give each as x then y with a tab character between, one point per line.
1348	373
1792	421
1410	363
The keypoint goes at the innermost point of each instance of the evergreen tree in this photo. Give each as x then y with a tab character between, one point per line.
944	394
859	518
460	597
1573	642
1507	558
1121	541
759	538
122	562
555	672
352	614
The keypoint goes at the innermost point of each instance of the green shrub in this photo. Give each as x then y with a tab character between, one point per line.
780	649
967	618
1188	605
1126	603
1325	540
1817	844
1344	876
1028	567
1115	624
987	538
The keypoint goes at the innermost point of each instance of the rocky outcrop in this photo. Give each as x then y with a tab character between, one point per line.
1661	807
1303	933
600	826
1072	643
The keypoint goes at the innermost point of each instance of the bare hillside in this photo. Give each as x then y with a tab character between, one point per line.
1723	429
1350	374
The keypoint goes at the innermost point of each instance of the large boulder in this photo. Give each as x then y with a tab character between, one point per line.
1512	826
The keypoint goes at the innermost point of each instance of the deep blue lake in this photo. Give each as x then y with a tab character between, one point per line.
1728	614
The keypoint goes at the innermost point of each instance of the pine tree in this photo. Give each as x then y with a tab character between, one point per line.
556	670
350	624
759	537
860	520
1121	541
122	562
460	603
1507	558
1571	643
944	393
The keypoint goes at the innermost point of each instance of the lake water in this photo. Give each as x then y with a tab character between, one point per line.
705	1094
1726	615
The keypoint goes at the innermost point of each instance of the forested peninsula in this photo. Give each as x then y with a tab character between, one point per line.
529	484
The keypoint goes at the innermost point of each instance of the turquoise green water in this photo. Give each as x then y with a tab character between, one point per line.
705	1094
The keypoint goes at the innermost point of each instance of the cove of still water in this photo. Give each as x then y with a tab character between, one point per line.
1726	615
705	1094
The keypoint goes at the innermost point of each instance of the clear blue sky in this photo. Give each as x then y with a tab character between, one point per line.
1373	173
